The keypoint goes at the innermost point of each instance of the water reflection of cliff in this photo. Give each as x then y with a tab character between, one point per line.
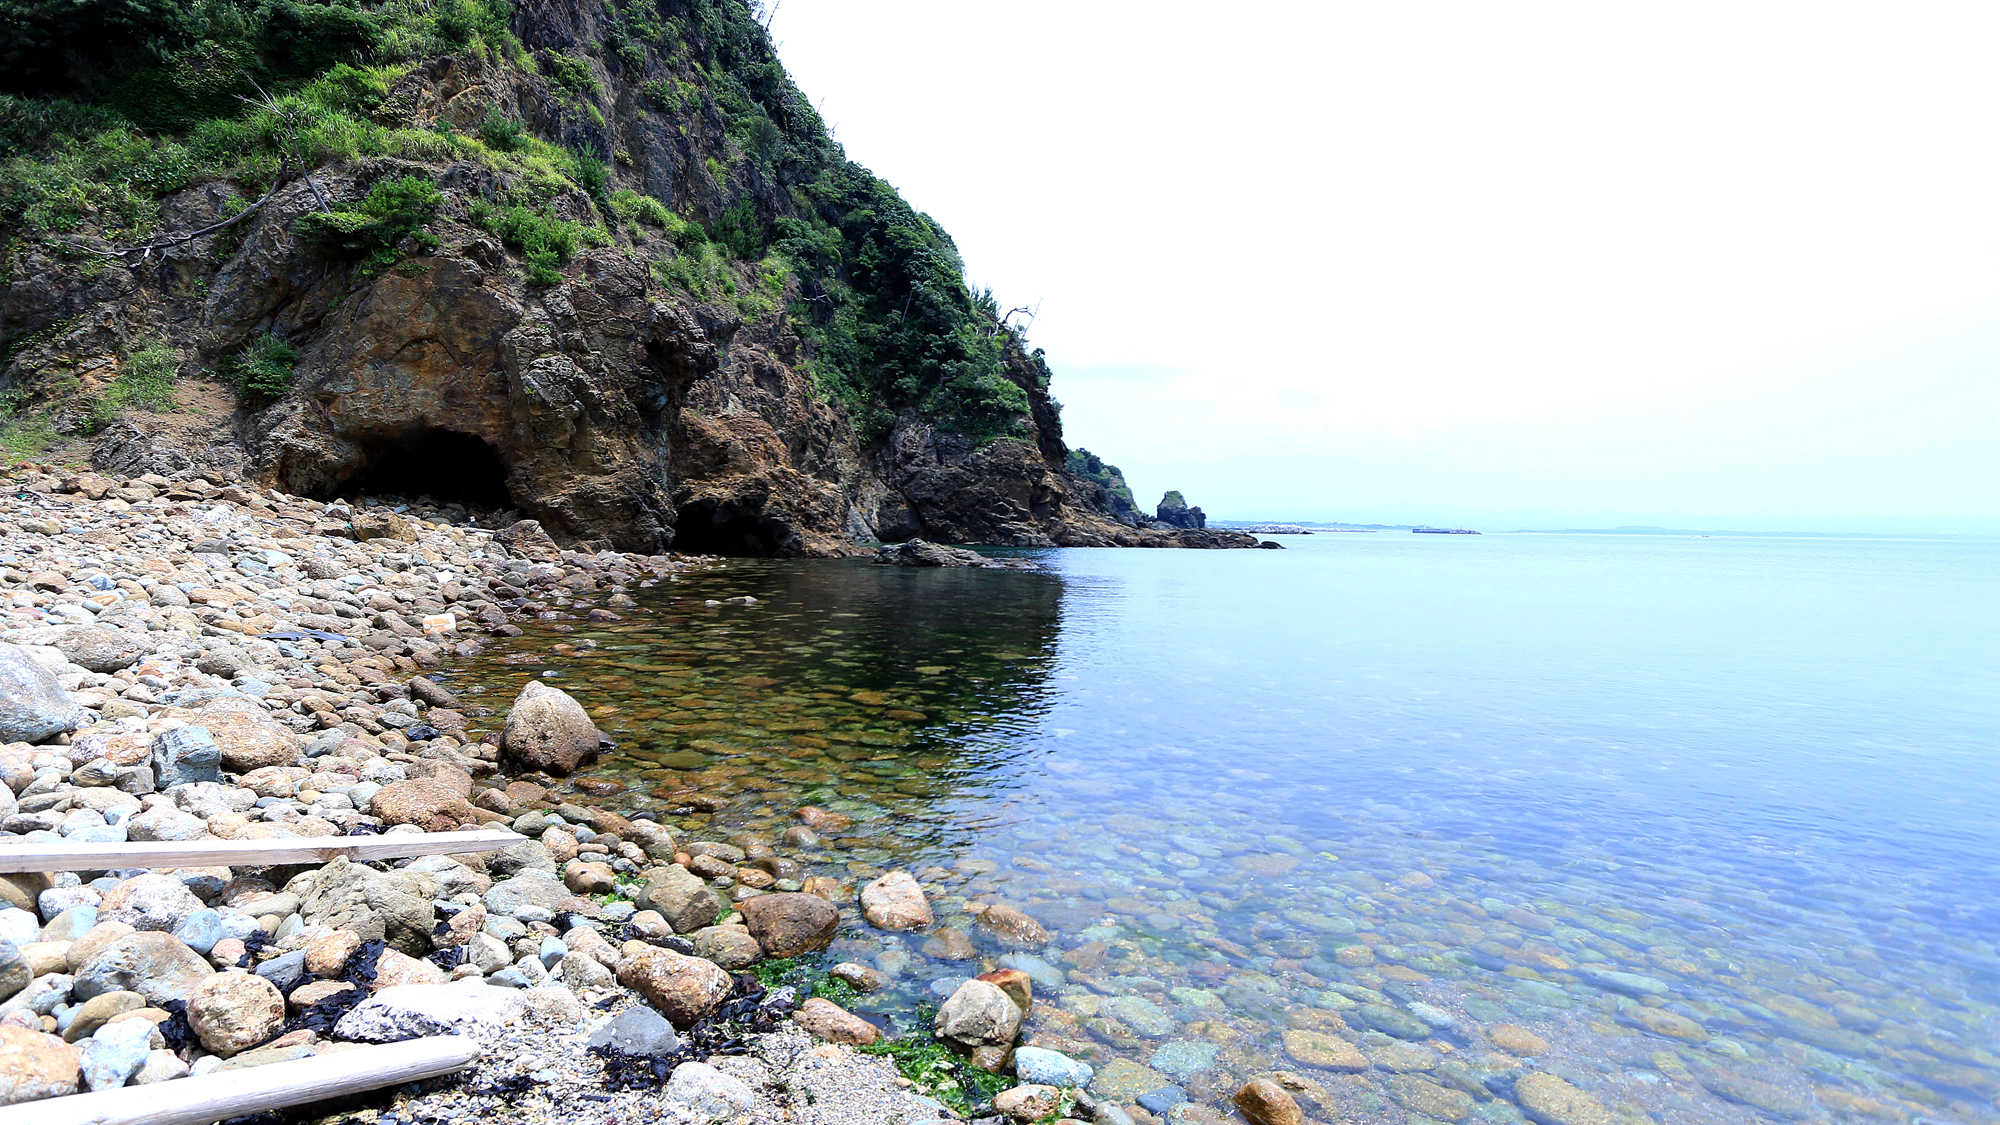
877	690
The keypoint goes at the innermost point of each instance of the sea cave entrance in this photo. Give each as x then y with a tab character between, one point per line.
448	467
726	527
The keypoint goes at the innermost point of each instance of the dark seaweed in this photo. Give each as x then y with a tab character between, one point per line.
749	1008
253	945
175	1028
359	970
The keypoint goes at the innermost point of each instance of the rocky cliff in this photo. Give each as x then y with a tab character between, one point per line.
598	264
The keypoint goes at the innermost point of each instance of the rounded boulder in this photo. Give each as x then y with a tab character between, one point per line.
233	1012
683	988
786	925
547	730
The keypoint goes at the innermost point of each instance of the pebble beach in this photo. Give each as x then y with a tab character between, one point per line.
186	662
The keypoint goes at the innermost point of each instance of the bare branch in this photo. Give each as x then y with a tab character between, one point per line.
270	105
146	251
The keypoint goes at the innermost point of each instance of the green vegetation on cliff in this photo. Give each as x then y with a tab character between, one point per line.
109	106
1083	463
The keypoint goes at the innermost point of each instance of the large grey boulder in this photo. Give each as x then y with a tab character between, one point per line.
33	705
390	906
547	730
918	552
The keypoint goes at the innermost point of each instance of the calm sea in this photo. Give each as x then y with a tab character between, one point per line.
1716	820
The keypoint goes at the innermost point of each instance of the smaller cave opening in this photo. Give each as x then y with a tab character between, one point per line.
448	467
712	527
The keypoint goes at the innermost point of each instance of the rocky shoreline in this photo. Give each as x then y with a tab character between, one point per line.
185	662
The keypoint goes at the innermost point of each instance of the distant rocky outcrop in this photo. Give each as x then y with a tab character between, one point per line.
1174	512
917	552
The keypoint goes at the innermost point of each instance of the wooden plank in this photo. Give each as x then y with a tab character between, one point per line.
214	1097
44	856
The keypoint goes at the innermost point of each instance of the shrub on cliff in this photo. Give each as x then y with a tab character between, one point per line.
262	371
372	230
546	241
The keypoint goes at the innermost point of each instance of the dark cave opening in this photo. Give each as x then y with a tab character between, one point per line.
445	466
711	527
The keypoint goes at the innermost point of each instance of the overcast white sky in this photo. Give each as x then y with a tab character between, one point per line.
1527	264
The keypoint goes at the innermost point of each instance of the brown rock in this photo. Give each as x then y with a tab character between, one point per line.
684	989
1015	984
306	995
233	1012
835	1024
950	945
1552	1101
245	733
731	947
859	977
394	968
1028	1103
427	803
327	954
1315	1048
463	926
21	891
1264	1102
678	898
100	1010
34	1066
525	793
896	902
547	730
787	925
605	821
1516	1040
823	821
1013	928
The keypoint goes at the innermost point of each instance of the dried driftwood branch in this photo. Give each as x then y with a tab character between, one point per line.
38	856
213	1097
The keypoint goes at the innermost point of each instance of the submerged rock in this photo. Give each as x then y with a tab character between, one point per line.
1549	1100
896	902
1263	1102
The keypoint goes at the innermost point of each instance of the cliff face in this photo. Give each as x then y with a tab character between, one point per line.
636	294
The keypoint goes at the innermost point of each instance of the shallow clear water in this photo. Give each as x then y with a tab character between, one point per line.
1714	818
